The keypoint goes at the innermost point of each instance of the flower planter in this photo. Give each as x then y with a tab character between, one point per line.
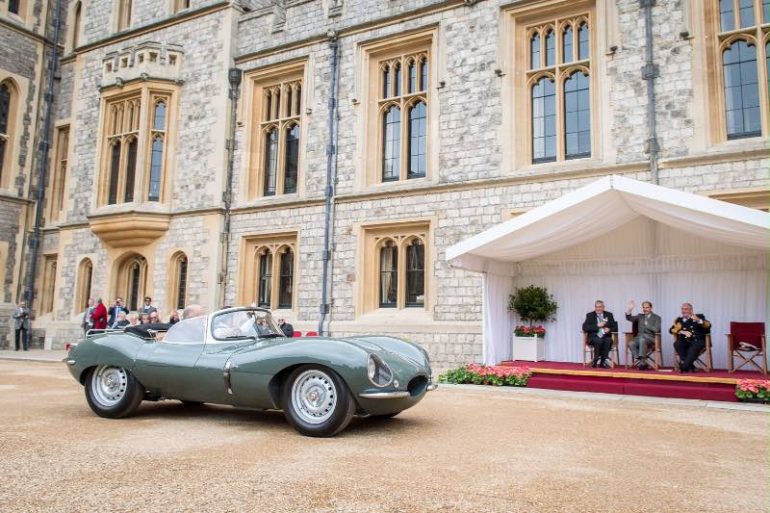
530	349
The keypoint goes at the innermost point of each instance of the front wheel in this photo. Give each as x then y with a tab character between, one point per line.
113	392
316	401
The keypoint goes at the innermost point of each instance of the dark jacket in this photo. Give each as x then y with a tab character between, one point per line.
287	329
114	309
698	329
590	325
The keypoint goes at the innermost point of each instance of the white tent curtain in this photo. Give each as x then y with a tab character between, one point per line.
725	283
498	321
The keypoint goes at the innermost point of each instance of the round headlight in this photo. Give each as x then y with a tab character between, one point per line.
378	371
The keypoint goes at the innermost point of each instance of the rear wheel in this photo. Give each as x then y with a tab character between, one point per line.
113	392
316	401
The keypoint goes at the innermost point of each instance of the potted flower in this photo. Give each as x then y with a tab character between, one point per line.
531	304
753	390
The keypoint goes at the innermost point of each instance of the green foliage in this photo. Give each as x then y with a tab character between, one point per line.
532	304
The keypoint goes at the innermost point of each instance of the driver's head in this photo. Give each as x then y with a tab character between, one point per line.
191	311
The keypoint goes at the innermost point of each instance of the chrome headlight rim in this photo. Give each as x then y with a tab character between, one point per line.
374	364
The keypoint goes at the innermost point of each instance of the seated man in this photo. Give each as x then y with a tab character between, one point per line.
599	325
690	331
647	324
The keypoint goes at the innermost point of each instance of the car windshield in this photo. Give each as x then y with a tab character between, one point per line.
187	331
244	323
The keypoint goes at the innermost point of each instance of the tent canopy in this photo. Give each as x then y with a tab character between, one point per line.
599	208
619	239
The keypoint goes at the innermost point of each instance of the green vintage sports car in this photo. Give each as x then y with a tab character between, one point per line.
239	356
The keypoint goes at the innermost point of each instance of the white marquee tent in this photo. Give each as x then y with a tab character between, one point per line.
618	239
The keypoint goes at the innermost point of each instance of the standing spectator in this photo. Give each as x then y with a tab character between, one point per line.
287	328
87	323
174	317
21	316
147	308
116	308
99	315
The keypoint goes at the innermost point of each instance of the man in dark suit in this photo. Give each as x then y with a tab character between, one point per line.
115	309
21	324
600	325
690	330
286	328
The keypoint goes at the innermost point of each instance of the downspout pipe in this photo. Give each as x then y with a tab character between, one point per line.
234	77
649	73
42	159
331	173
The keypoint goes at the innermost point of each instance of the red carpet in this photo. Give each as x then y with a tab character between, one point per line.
718	385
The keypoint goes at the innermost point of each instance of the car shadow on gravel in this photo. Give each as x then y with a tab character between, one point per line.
249	419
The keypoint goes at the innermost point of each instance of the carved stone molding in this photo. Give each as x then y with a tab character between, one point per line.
129	229
145	61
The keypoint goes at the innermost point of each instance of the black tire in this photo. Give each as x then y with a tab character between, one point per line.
113	392
316	401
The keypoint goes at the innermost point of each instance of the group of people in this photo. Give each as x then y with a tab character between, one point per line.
690	330
98	317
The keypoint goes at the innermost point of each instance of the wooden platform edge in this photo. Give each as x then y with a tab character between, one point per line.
652	376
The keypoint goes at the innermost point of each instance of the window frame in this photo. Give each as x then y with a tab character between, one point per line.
57	185
177	290
374	54
46	297
281	77
146	96
124	13
401	236
254	248
10	137
717	42
523	22
84	284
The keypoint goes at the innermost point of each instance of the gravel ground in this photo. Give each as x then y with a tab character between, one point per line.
459	450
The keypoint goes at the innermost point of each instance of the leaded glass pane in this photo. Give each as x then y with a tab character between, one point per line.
5	108
726	15
766	11
424	74
265	279
181	282
287	279
415	274
417	140
388	275
156	165
747	13
534	52
577	115
291	160
271	161
397	79
112	196
128	195
544	121
160	116
584	42
391	144
412	77
550	48
742	108
567	46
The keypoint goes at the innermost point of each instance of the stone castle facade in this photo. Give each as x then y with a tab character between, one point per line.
197	148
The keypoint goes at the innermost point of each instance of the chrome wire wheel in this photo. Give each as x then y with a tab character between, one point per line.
109	385
314	396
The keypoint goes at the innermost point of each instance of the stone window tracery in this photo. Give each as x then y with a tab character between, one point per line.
396	266
48	288
124	8
134	171
59	175
278	135
8	100
178	293
560	89
269	273
742	50
402	107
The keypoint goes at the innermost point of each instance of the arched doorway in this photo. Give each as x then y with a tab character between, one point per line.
132	280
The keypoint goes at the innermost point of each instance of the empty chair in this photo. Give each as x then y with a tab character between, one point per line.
746	341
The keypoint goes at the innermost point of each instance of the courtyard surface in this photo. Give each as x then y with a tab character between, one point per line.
461	449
